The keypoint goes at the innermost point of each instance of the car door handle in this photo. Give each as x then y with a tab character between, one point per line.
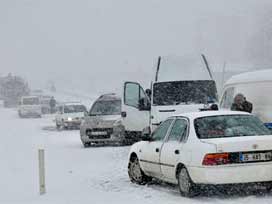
176	151
157	150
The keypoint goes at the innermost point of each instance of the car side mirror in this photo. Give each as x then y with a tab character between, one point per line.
123	114
214	107
146	134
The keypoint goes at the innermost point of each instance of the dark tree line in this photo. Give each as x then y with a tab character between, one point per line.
12	88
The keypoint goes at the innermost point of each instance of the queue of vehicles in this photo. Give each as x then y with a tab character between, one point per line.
176	136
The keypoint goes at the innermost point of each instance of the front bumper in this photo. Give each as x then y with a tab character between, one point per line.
249	173
73	123
111	135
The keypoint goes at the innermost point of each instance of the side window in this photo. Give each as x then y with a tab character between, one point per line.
132	94
162	130
179	130
227	99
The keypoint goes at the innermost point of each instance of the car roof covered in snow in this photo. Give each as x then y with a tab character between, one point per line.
109	97
255	76
200	114
71	103
26	97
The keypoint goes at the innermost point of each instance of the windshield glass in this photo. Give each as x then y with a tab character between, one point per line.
31	101
229	126
74	109
184	92
106	108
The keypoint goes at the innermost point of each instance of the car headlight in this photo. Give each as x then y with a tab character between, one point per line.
117	123
69	119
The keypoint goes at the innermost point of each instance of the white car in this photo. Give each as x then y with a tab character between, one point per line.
70	115
210	147
30	106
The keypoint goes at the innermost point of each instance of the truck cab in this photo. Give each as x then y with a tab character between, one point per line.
180	85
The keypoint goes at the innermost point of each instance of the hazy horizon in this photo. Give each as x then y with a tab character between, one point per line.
90	44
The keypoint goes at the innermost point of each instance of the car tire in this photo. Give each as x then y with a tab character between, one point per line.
136	174
187	187
86	145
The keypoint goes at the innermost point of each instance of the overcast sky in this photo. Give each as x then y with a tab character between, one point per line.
89	44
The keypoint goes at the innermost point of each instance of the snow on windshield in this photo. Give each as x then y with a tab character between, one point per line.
188	92
106	108
31	101
229	126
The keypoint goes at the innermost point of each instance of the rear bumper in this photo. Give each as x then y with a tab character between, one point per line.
232	174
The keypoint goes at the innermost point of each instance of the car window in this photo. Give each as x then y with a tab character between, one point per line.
179	130
132	94
162	130
227	99
229	126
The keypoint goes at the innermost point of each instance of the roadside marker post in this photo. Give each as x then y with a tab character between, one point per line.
41	172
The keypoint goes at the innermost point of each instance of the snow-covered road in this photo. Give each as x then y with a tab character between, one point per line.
73	174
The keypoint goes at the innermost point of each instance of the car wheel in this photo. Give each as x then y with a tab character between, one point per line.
86	145
187	187
136	174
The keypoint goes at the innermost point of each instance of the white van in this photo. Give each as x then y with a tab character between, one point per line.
256	86
183	84
30	106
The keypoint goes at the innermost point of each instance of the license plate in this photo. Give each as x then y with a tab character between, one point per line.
255	157
99	133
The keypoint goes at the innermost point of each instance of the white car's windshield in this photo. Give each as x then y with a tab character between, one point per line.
31	101
112	107
74	109
229	126
184	92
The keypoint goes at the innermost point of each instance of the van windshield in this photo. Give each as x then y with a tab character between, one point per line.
229	126
112	107
31	101
184	92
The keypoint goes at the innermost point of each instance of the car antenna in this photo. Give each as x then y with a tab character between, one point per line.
158	68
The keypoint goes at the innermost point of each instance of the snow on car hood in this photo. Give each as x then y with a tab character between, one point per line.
74	115
105	121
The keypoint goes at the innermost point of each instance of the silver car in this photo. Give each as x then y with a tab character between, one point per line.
103	125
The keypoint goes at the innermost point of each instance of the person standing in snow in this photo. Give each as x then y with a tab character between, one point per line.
241	104
52	104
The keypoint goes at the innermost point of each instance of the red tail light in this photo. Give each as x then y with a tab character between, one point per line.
216	159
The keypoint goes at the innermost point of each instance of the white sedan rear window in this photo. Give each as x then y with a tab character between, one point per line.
229	126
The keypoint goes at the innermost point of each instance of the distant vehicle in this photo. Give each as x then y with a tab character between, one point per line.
30	106
256	87
179	87
45	102
105	124
70	115
202	148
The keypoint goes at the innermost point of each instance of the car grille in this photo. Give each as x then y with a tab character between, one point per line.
99	133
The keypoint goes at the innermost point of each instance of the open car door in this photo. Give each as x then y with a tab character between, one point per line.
135	107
